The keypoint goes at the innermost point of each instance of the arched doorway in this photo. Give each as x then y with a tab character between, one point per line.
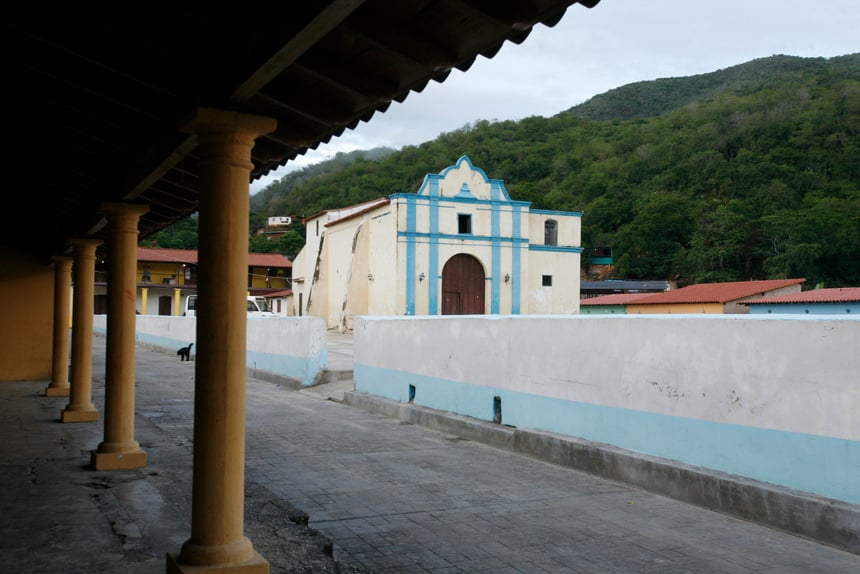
463	286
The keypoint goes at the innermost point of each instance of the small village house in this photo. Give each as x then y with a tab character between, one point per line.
719	298
166	277
834	301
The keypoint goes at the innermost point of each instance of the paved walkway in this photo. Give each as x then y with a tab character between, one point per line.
378	495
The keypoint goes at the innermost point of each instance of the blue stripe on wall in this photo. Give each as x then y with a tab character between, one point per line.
533	247
433	268
516	259
411	227
495	250
825	466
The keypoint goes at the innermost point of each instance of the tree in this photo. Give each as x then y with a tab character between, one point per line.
716	249
290	244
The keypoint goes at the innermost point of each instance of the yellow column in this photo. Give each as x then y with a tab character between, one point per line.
217	542
144	299
80	407
60	386
177	302
119	450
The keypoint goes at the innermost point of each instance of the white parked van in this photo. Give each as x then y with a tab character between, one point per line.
257	306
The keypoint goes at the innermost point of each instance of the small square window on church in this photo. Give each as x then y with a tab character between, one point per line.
464	223
547	280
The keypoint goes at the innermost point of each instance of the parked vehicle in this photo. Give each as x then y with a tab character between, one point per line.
257	306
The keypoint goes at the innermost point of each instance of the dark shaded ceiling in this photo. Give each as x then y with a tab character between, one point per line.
93	98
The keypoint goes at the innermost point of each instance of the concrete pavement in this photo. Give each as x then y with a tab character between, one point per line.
334	488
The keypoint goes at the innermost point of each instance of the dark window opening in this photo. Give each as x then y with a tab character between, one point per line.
464	223
550	232
547	280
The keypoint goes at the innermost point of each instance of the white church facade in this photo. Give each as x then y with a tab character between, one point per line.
458	246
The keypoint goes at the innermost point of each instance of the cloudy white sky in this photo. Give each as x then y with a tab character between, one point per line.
594	50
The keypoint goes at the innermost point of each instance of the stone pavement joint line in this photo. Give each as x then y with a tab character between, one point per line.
332	488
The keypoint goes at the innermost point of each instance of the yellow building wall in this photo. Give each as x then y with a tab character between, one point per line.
161	273
260	279
27	311
677	309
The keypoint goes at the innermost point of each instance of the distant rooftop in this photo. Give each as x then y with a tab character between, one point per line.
189	256
699	293
623	286
834	295
612	299
717	292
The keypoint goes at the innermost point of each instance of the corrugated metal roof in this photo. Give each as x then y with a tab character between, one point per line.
717	292
623	285
834	295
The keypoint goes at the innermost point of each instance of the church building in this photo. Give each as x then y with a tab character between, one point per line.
458	246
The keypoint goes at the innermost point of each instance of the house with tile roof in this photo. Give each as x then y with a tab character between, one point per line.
715	298
166	277
834	301
613	304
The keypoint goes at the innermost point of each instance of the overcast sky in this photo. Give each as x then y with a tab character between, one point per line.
594	50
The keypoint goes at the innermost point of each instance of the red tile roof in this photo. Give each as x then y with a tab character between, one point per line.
281	293
268	260
835	295
159	255
167	255
717	292
612	299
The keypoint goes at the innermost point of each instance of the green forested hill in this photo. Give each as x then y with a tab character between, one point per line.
657	97
744	173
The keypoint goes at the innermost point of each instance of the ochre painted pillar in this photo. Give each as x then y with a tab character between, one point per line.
177	302
60	386
144	300
80	407
217	542
119	450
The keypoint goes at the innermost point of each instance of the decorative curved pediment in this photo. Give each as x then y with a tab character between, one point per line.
464	180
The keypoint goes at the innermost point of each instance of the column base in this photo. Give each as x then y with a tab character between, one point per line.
59	391
118	460
256	565
79	416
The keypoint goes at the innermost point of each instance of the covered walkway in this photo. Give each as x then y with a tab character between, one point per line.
377	494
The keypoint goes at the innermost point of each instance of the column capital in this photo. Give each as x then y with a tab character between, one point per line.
119	208
212	120
61	260
84	243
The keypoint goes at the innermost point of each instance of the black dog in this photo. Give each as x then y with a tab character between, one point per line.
185	353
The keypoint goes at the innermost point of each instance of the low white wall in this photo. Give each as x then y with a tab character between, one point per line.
773	398
290	347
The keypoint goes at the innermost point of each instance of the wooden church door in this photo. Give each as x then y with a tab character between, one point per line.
463	286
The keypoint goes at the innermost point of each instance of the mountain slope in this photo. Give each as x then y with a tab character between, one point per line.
658	97
751	172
